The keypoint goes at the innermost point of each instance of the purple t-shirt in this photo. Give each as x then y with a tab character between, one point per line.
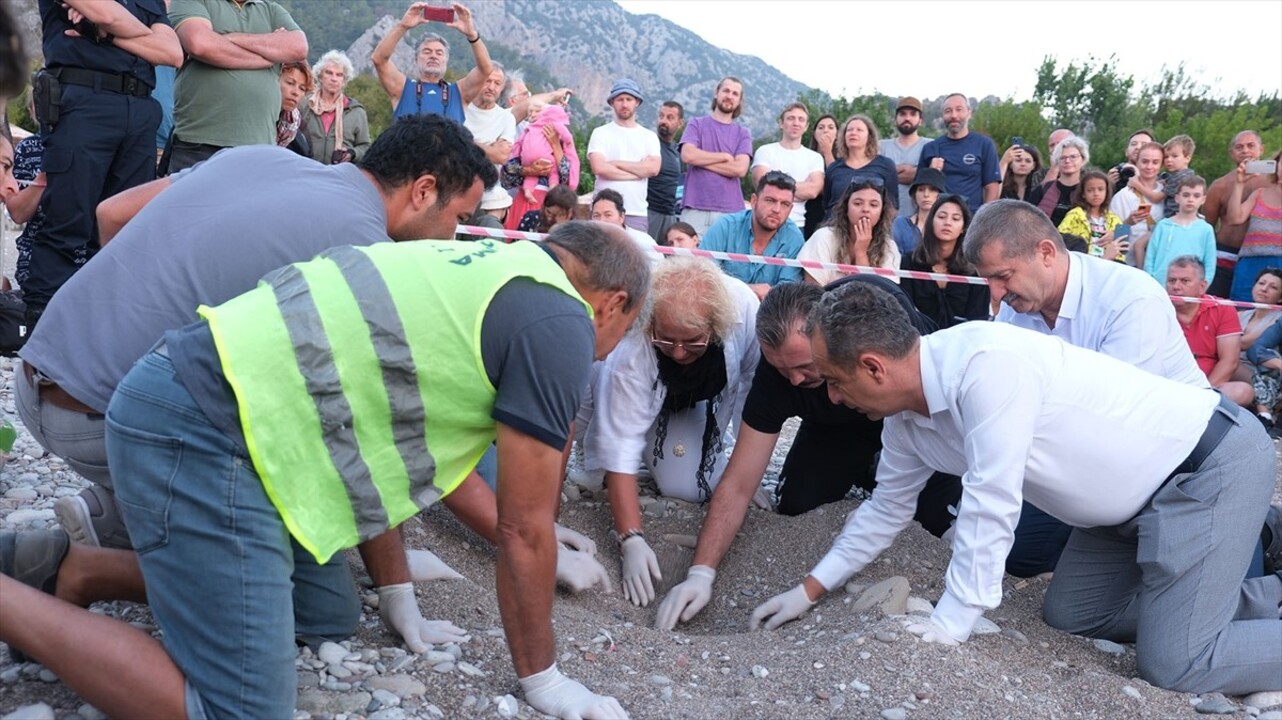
706	190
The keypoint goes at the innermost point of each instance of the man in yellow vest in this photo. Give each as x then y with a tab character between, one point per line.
330	404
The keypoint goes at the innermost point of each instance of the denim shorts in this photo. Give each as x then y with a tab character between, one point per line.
219	564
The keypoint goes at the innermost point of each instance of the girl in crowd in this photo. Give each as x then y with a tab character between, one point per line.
1262	244
336	125
546	147
295	82
858	234
558	207
947	303
1056	197
682	235
1256	324
1091	220
665	398
907	228
1133	207
858	159
823	137
1023	174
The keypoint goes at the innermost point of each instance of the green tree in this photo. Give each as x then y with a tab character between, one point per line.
1009	119
1095	101
378	107
1214	131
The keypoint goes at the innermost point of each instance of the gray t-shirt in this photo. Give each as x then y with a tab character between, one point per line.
220	227
536	343
903	156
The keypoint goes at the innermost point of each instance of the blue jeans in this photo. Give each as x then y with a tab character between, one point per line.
220	566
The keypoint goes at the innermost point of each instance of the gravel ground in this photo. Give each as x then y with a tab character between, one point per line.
837	661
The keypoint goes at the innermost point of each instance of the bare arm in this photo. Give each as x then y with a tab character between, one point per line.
120	208
521	110
474	504
390	76
498	151
608	170
110	17
1237	210
469	86
644	168
158	47
1229	348
691	155
201	42
384	558
527	498
991	191
730	500
813	186
23	205
281	46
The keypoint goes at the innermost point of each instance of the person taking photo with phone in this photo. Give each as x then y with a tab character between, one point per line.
428	92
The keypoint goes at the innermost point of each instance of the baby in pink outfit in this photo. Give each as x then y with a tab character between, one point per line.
549	125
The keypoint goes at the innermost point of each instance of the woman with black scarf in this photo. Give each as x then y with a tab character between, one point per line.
665	398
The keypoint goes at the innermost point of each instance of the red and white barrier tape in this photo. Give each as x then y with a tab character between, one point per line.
819	265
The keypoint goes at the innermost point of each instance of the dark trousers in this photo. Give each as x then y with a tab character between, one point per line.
825	461
184	154
104	143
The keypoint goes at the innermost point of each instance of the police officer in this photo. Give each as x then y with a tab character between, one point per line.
95	93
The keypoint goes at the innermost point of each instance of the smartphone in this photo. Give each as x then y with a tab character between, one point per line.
1017	140
438	14
1121	232
1262	167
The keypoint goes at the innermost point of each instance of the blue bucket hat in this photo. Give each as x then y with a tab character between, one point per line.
624	86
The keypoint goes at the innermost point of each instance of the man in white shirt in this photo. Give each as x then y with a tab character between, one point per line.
1085	301
493	127
1165	504
803	165
623	155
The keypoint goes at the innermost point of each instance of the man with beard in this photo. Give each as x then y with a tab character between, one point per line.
661	195
763	229
623	155
905	150
717	149
803	165
430	93
967	160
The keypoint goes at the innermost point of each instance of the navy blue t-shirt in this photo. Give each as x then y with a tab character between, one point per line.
970	163
60	50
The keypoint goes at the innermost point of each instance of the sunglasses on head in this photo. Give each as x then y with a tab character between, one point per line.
863	183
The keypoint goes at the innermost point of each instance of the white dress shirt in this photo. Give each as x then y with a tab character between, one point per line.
1122	312
627	395
1018	416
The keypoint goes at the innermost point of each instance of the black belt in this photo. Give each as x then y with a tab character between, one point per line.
1216	428
122	84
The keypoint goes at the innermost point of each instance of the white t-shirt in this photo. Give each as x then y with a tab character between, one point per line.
798	164
822	247
490	125
612	141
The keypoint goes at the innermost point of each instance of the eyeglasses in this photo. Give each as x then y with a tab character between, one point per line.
668	346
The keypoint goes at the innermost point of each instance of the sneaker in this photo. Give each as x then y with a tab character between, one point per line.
1273	552
92	518
33	558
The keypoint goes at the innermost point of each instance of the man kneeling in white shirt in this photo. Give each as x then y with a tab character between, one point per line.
1166	507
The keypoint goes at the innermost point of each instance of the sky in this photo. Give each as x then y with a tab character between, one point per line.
930	48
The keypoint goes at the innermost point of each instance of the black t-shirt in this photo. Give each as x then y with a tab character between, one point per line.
661	191
947	306
537	344
62	50
772	400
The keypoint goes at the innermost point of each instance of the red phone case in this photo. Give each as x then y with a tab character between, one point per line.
438	14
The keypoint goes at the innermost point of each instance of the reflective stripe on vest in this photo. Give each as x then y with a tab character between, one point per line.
361	388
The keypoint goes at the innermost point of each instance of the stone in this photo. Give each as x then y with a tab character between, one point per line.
859	687
444	667
401	685
890	596
1215	704
1109	647
894	714
39	711
338	671
318	702
436	657
886	636
1263	700
21	493
1015	635
984	626
386	698
919	606
507	706
391	713
1270	715
47	675
331	653
1132	693
468	668
759	671
89	712
664	679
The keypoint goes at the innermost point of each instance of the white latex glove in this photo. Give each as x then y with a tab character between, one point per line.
399	609
781	608
575	539
552	693
424	566
686	600
579	571
928	631
639	564
762	499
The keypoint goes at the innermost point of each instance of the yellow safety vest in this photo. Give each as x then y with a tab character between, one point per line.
359	378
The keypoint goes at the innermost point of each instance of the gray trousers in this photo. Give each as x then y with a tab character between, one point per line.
1171	579
78	438
659	224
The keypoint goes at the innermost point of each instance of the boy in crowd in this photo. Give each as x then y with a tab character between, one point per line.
1182	232
1178	155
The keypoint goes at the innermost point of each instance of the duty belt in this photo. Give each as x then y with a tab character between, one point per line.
123	84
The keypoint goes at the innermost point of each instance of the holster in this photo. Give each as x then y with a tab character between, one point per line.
46	92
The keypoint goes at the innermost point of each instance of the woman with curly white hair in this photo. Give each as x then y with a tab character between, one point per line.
665	398
1056	197
335	124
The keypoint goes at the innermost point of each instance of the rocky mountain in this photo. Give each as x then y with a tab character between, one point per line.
581	44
